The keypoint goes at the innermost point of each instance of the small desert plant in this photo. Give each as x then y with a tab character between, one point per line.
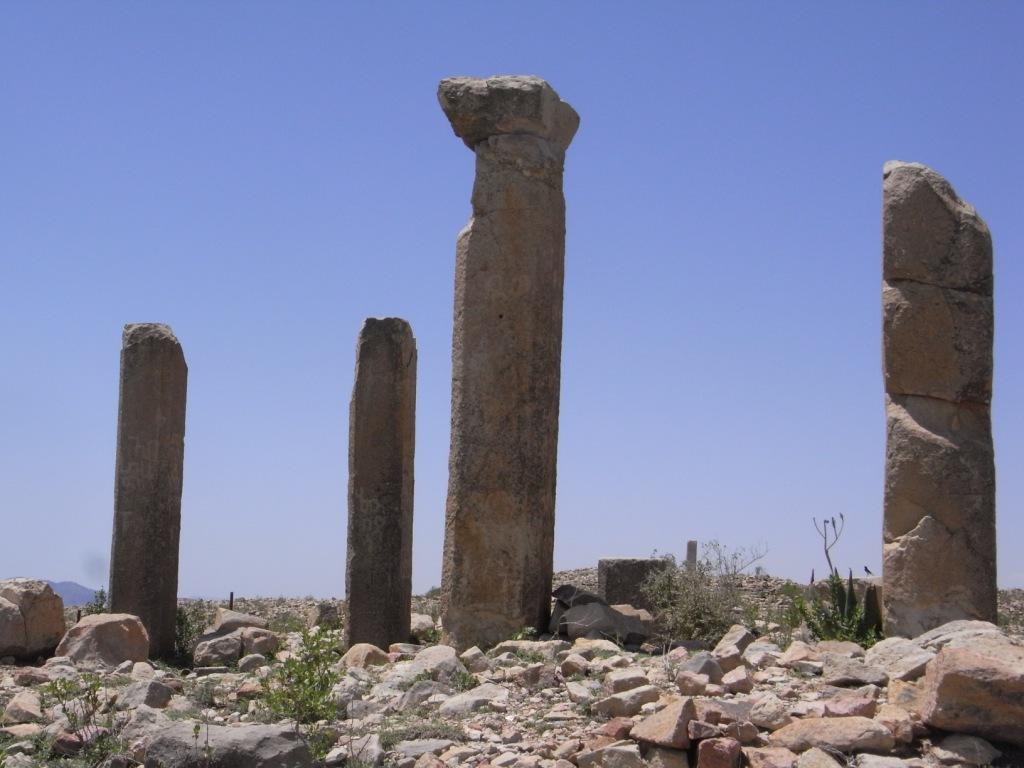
703	602
529	657
463	681
526	633
188	627
412	729
320	741
840	616
431	637
204	694
98	604
81	702
300	688
286	622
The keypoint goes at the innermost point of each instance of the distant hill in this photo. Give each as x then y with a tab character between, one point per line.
72	593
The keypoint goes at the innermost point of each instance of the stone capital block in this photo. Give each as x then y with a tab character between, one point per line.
506	358
148	481
939	549
382	438
479	108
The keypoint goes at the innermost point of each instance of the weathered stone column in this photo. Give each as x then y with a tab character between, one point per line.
691	555
147	486
381	446
939	559
506	358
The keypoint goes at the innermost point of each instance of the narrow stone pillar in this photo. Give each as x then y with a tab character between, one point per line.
939	556
506	359
147	485
691	555
381	446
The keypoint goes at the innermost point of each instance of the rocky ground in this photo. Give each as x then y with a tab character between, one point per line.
523	704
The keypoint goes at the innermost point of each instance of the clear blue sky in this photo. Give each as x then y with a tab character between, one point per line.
262	176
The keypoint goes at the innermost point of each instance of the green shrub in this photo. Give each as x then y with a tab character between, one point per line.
702	603
300	688
463	681
98	604
189	622
82	702
287	622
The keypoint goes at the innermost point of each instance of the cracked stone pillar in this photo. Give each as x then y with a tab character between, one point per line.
939	558
506	358
381	447
147	484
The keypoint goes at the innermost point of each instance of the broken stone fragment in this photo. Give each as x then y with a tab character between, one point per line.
627	703
977	689
667	727
846	734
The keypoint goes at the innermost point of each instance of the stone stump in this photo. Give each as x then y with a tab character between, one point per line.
382	435
691	555
620	579
147	487
939	557
506	358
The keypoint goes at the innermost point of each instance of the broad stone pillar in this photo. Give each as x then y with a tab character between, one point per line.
147	486
381	445
939	558
506	358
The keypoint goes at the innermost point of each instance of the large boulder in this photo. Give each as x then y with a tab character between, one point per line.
219	746
217	650
31	618
977	689
105	640
231	636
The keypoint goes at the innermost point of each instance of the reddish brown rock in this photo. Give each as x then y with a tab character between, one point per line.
506	359
668	727
769	757
847	734
719	753
977	689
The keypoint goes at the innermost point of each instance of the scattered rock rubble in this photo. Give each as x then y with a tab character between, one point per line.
949	697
